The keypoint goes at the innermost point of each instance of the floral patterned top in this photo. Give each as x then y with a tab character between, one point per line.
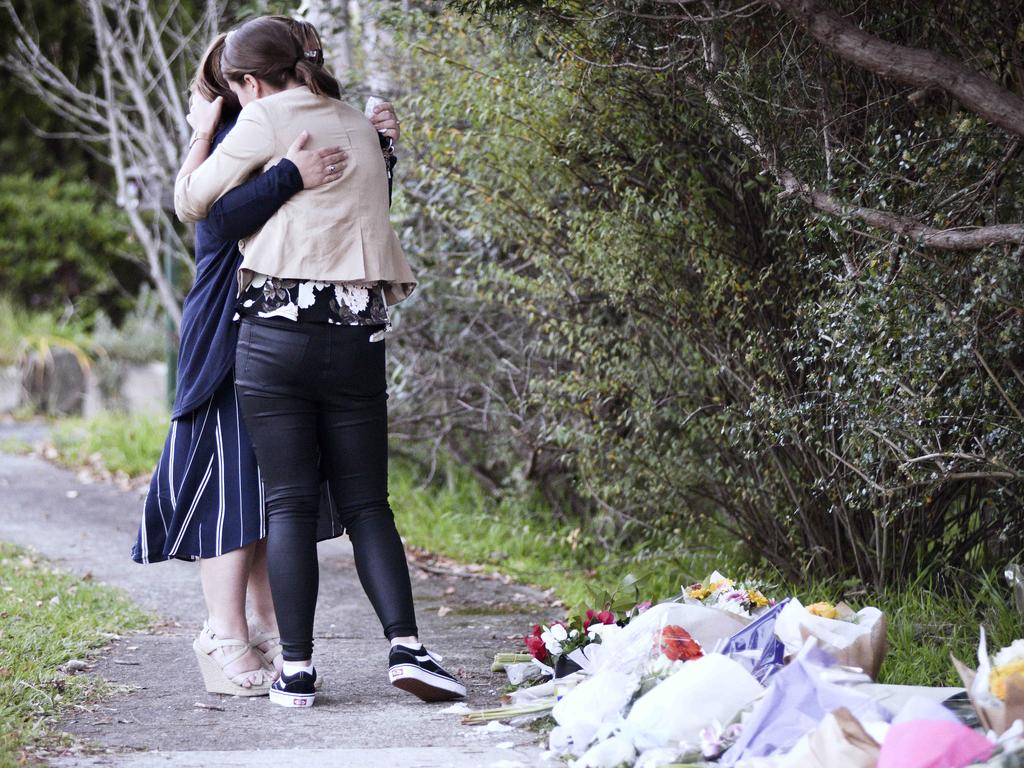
316	301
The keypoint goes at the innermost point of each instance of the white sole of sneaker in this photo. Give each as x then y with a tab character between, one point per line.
426	685
297	700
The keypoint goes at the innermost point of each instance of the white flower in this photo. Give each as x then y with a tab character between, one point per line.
287	311
1011	653
356	298
553	638
307	292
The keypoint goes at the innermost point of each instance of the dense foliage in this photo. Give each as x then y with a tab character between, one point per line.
62	247
622	308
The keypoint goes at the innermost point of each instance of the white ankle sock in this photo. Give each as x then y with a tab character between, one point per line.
294	667
415	646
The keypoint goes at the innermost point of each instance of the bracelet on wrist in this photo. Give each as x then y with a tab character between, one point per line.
199	136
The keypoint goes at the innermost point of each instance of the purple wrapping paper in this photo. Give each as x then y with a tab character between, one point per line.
796	701
759	635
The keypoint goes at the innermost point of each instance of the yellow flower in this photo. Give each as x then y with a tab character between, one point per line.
825	610
699	593
757	598
999	676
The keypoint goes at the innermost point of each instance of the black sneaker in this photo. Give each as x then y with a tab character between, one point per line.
296	690
419	672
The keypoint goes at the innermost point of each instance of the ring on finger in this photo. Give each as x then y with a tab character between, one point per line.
330	169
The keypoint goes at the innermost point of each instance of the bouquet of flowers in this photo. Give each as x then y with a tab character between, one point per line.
744	598
554	645
854	639
996	688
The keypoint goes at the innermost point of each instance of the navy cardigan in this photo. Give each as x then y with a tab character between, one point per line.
208	333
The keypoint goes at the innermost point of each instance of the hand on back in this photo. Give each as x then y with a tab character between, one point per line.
316	166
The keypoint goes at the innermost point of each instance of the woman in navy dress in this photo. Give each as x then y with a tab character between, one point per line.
206	499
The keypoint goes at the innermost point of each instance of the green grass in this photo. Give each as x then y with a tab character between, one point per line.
122	443
49	618
459	519
15	445
520	537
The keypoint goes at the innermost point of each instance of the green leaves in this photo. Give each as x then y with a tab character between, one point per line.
60	243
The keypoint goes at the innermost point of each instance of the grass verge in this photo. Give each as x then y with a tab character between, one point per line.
49	618
122	444
455	517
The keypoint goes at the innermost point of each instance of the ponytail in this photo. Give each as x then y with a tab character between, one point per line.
317	79
276	48
309	69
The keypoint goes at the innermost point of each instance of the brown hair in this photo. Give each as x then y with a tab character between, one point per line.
210	83
274	49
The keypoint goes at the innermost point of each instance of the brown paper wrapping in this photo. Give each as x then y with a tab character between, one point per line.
867	652
995	717
841	740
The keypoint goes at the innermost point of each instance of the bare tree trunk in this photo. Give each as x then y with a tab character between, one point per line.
138	113
378	44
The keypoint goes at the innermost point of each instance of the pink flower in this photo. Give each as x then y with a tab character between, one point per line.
605	617
641	607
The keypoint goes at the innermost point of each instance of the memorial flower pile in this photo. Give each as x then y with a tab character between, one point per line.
724	675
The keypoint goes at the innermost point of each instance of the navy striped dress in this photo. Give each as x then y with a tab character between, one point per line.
206	496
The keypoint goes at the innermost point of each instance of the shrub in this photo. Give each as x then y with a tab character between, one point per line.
61	246
617	302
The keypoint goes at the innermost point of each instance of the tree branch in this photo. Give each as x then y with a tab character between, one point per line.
905	226
915	66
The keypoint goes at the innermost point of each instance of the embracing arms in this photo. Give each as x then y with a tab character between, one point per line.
201	181
244	209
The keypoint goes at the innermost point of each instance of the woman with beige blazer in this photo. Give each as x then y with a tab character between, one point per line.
315	284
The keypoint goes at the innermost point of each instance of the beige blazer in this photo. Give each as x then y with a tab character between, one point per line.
340	231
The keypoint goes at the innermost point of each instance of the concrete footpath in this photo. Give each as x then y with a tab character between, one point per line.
167	719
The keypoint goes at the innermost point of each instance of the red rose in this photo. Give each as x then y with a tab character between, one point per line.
605	617
536	630
676	643
536	648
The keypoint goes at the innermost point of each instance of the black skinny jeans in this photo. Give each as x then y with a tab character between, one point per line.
312	393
